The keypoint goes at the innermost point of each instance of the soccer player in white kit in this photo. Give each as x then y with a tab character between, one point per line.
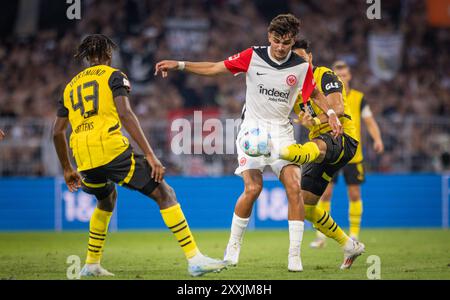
274	78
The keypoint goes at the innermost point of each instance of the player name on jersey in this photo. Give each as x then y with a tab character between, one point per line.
88	72
84	127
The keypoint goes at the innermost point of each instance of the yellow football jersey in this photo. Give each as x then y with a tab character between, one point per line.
88	102
327	82
356	102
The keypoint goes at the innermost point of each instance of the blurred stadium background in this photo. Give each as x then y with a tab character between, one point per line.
401	62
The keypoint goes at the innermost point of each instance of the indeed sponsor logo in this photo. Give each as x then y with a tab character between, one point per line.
274	95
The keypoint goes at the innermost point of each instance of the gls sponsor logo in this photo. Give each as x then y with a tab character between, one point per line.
331	85
273	92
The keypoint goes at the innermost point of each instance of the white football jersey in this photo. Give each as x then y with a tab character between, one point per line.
272	86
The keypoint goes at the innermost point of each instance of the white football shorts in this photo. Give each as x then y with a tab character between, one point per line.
281	136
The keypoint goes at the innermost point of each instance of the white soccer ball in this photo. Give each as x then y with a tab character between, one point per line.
255	142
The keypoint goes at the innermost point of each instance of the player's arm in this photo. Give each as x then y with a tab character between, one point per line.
72	178
235	64
2	134
332	101
120	87
310	90
332	88
199	68
132	125
372	127
331	104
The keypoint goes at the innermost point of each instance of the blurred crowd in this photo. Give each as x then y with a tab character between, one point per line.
413	108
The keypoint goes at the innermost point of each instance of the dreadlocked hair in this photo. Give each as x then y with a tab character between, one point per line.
95	46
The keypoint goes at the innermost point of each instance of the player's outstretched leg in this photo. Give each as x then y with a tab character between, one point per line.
241	216
300	154
198	264
98	228
325	223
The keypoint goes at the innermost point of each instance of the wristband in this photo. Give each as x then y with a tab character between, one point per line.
330	112
316	121
181	65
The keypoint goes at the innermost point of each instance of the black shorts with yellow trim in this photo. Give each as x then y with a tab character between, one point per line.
128	169
316	176
353	174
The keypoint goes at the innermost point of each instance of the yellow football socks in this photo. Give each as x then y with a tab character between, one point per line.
300	154
325	205
175	220
325	223
354	214
98	227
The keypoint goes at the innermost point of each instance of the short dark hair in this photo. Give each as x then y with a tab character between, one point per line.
302	44
95	46
285	24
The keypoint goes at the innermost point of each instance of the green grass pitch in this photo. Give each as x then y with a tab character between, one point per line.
404	254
